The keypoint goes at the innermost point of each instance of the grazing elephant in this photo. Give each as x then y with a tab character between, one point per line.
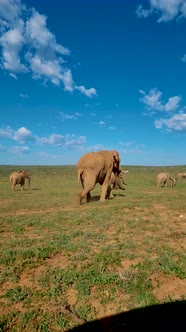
19	178
181	175
97	167
163	178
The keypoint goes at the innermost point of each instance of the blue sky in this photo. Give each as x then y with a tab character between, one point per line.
79	76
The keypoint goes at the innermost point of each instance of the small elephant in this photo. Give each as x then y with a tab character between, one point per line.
174	181
19	178
163	178
96	167
116	182
181	175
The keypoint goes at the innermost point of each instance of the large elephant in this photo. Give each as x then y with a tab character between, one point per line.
164	178
19	178
97	167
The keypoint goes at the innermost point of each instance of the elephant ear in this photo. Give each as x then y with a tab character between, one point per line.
25	173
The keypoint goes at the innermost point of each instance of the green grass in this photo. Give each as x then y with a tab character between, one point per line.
89	258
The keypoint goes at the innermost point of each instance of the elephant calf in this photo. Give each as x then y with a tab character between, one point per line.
117	180
19	178
174	181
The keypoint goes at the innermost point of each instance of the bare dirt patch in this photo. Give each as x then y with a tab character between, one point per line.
168	286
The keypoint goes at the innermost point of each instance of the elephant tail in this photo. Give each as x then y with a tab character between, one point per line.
79	172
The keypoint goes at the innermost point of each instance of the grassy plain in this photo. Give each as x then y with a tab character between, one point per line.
62	264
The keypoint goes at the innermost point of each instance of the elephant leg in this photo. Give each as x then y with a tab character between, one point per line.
22	183
88	197
109	193
87	187
83	194
104	192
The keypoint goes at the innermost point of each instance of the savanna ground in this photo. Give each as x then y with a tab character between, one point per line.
62	264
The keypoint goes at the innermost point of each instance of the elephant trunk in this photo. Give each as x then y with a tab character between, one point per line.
118	184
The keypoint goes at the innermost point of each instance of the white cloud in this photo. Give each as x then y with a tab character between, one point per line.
130	147
153	101
112	128
20	149
167	9
88	92
102	123
10	10
175	119
172	104
23	95
23	135
12	42
29	46
68	80
48	69
141	12
6	133
175	123
64	116
72	141
67	141
13	75
183	58
40	36
53	139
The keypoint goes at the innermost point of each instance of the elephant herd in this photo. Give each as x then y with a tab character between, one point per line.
101	167
163	178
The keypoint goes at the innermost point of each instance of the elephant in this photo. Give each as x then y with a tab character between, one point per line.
117	179
174	181
163	178
19	178
181	175
116	182
97	167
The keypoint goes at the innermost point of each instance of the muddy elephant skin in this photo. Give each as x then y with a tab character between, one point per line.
96	167
19	178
